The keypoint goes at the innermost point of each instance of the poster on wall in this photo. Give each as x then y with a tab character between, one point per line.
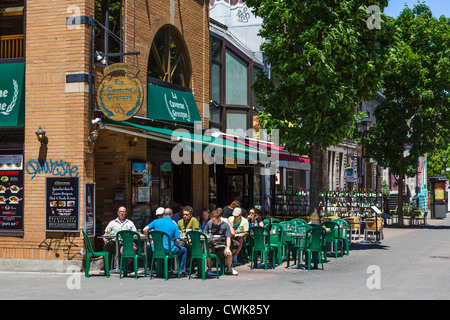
11	193
141	179
89	208
62	203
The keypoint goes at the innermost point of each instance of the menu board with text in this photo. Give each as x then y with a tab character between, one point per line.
62	203
11	192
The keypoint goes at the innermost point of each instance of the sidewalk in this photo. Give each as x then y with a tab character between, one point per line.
409	263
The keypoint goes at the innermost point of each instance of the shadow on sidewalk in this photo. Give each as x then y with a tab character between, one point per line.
368	246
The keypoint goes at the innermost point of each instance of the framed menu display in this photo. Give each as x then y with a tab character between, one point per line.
11	194
62	204
89	208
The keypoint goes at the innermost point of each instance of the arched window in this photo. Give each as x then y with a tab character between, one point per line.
169	59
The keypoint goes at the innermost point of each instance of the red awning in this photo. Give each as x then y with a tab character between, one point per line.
284	155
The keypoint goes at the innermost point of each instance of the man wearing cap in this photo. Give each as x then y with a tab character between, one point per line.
165	223
239	230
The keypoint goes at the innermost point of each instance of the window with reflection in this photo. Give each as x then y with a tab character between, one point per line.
12	29
169	59
236	85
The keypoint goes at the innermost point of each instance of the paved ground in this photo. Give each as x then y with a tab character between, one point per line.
410	263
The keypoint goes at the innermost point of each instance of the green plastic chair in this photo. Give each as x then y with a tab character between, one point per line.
261	243
287	240
298	221
276	241
126	238
266	221
197	253
332	236
295	249
314	246
91	254
160	254
343	235
246	249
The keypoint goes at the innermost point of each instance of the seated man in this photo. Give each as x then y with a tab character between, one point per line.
239	230
188	221
114	226
216	226
165	223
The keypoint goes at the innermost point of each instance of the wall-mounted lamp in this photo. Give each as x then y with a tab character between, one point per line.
133	142
100	56
40	134
93	136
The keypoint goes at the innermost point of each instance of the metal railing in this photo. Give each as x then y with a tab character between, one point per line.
11	46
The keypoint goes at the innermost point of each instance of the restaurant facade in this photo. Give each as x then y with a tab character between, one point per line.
92	106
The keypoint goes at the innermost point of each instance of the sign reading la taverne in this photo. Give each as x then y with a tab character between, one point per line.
120	93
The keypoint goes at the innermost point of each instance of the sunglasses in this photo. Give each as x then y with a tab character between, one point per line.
186	214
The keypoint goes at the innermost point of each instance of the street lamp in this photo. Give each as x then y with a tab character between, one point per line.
363	126
444	163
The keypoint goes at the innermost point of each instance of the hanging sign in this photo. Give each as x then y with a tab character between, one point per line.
120	94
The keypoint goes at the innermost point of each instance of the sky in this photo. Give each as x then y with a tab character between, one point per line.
438	7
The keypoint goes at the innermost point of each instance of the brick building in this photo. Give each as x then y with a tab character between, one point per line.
45	65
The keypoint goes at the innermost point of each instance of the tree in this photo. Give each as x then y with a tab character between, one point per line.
434	158
415	112
326	60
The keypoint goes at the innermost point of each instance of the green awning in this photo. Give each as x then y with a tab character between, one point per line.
171	105
12	95
193	142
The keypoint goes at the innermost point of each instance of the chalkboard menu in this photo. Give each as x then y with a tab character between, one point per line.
11	193
62	203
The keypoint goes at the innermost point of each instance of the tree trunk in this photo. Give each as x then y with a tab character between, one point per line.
400	200
315	180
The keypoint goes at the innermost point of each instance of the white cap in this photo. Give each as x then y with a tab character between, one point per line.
237	212
159	211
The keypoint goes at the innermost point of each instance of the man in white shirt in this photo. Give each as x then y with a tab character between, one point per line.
114	226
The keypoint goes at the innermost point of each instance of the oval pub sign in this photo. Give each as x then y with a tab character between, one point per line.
120	93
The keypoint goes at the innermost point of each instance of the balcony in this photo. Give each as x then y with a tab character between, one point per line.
11	47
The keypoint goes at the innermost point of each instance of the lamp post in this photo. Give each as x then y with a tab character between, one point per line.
363	126
444	163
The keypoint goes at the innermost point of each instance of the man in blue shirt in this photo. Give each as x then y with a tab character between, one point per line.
165	223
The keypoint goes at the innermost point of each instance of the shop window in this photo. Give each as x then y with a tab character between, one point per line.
237	123
169	59
236	84
110	14
11	29
216	69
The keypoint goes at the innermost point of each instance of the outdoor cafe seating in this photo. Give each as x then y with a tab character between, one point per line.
130	249
291	240
199	248
373	227
90	253
162	257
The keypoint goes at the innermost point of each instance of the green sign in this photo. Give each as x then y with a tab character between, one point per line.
12	95
171	105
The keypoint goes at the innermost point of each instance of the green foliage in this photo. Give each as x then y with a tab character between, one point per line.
434	159
415	112
326	61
